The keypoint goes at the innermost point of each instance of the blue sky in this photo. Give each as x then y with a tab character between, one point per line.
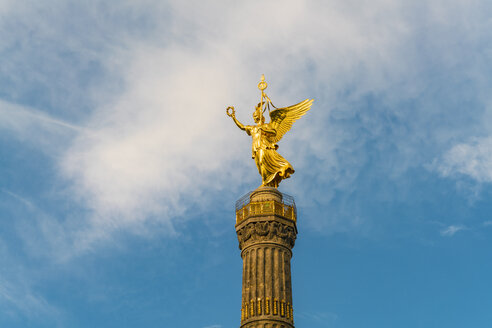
120	168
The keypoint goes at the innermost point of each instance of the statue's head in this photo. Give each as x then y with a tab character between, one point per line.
258	114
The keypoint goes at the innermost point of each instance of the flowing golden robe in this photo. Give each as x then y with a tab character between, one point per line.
272	167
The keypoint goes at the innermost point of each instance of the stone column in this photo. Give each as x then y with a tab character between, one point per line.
266	231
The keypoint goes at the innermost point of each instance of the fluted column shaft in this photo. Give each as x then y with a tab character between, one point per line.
266	242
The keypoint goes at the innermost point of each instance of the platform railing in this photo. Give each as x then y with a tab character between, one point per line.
245	208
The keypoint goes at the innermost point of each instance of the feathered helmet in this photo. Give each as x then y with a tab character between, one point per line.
258	113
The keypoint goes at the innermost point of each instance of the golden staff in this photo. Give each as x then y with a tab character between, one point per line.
262	86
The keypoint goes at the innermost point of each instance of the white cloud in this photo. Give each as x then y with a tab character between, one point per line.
473	159
452	230
157	142
165	142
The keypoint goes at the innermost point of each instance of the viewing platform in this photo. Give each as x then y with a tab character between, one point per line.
284	206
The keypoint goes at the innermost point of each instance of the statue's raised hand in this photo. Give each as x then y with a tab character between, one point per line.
231	113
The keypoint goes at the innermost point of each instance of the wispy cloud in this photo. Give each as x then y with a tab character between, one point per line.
45	236
451	230
130	102
19	198
31	125
20	116
472	159
17	293
163	144
24	300
155	142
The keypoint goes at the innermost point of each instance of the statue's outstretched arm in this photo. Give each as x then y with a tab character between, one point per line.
239	124
232	114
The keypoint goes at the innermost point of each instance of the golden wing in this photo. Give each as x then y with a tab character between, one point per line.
282	119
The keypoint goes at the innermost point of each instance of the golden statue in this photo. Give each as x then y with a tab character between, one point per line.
272	167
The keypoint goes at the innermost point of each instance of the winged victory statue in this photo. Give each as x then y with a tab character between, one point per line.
272	167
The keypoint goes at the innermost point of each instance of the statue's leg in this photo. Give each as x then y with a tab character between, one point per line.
262	167
257	161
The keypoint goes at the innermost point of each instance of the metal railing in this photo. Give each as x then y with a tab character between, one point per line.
245	208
